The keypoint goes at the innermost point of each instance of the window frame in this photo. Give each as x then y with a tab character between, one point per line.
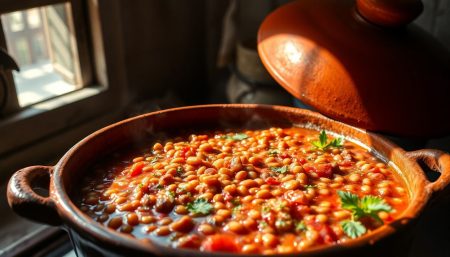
104	77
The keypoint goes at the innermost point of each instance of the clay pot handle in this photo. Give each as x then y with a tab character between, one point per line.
438	161
389	13
24	199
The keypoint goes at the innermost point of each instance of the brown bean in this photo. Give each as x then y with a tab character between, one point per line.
250	248
102	218
184	224
115	222
249	183
165	221
164	204
150	228
206	229
211	180
148	219
189	241
263	194
241	175
235	227
236	164
181	209
269	240
132	219
224	212
162	231
126	229
291	185
242	190
110	208
193	161
231	189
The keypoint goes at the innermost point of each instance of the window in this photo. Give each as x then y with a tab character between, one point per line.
69	72
40	40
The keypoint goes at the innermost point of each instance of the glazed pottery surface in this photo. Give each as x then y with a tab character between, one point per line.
361	63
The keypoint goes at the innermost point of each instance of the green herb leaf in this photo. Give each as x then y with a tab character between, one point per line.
337	142
171	194
353	229
300	226
368	206
310	186
199	206
323	137
236	201
180	170
154	160
349	201
273	152
281	170
236	137
323	143
371	203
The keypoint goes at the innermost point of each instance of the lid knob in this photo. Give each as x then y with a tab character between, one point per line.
390	13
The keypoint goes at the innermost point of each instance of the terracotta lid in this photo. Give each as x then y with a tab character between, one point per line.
361	63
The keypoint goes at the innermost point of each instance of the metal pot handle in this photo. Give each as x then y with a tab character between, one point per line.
24	199
436	160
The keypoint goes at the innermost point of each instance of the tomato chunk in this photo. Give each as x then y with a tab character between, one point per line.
272	181
327	234
322	170
220	243
136	169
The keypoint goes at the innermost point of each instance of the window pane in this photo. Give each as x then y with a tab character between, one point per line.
16	22
42	42
34	18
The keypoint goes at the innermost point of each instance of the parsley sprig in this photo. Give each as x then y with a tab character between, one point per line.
324	144
200	206
368	206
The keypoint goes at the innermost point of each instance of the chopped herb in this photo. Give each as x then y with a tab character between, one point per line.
368	206
281	170
236	137
180	170
273	152
300	226
263	224
353	229
141	185
154	160
200	206
159	186
171	194
323	143
265	209
236	201
310	186
236	209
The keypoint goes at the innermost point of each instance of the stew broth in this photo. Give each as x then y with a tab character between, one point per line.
268	191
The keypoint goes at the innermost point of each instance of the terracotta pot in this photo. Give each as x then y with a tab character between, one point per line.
360	62
92	239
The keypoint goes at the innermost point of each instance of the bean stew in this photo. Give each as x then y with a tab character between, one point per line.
268	191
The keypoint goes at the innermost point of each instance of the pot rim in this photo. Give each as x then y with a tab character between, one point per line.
82	223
